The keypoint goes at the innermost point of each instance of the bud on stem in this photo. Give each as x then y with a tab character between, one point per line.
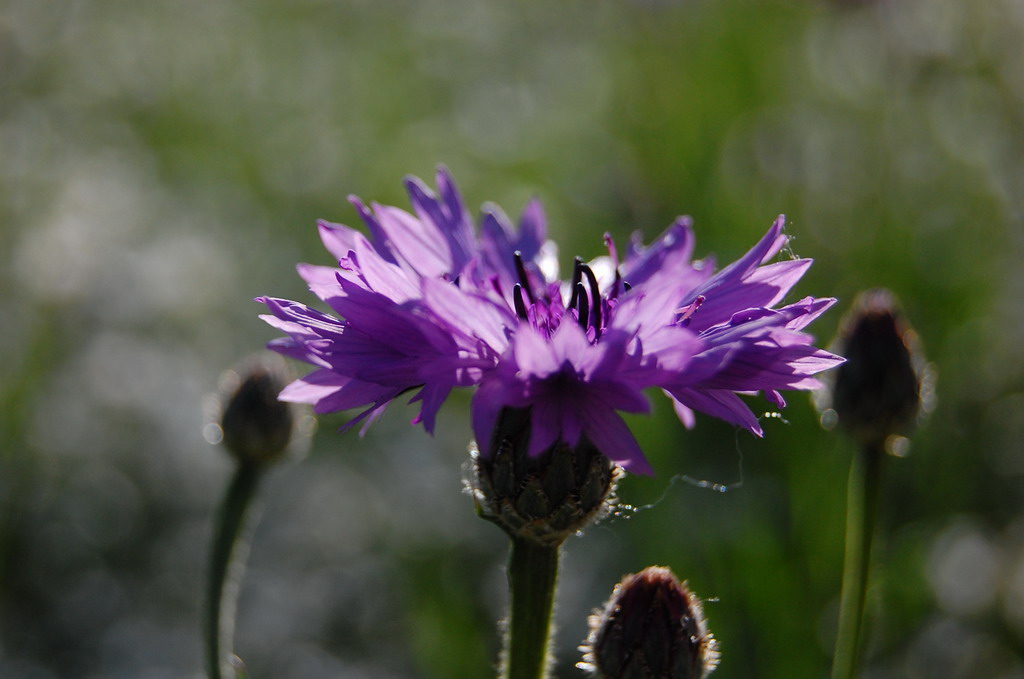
884	385
539	501
876	396
653	627
257	430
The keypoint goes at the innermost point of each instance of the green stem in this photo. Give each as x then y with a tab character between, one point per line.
532	578
227	561
861	516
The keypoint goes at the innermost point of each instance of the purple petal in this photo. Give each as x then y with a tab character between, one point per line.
647	307
671	251
496	248
756	368
533	353
338	239
462	229
450	193
673	347
381	275
751	322
300	351
354	394
313	387
767	247
416	241
452	225
684	413
471	316
432	396
378	236
721	404
306	317
813	308
546	428
490	398
620	395
322	280
780	276
611	435
533	230
570	345
764	287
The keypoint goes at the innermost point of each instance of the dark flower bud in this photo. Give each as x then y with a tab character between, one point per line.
254	426
545	498
884	385
653	627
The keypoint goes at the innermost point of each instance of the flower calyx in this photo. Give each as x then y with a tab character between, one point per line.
543	498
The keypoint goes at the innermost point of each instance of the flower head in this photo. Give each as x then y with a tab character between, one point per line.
428	304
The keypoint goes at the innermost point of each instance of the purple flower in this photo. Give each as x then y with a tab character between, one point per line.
428	304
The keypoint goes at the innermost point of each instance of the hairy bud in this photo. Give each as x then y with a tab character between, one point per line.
545	498
881	389
255	427
653	627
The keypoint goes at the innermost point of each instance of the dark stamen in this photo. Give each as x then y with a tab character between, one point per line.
523	278
595	296
577	276
517	299
581	294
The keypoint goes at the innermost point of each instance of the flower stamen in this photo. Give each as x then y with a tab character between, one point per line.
577	276
524	279
584	306
517	299
595	296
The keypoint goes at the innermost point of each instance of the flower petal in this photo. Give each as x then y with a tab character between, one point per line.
720	403
610	433
467	314
671	251
419	243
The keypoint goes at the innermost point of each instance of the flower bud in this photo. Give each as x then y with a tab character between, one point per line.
545	498
255	427
877	393
653	627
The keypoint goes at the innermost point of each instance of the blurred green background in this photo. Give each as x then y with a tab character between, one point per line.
162	163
